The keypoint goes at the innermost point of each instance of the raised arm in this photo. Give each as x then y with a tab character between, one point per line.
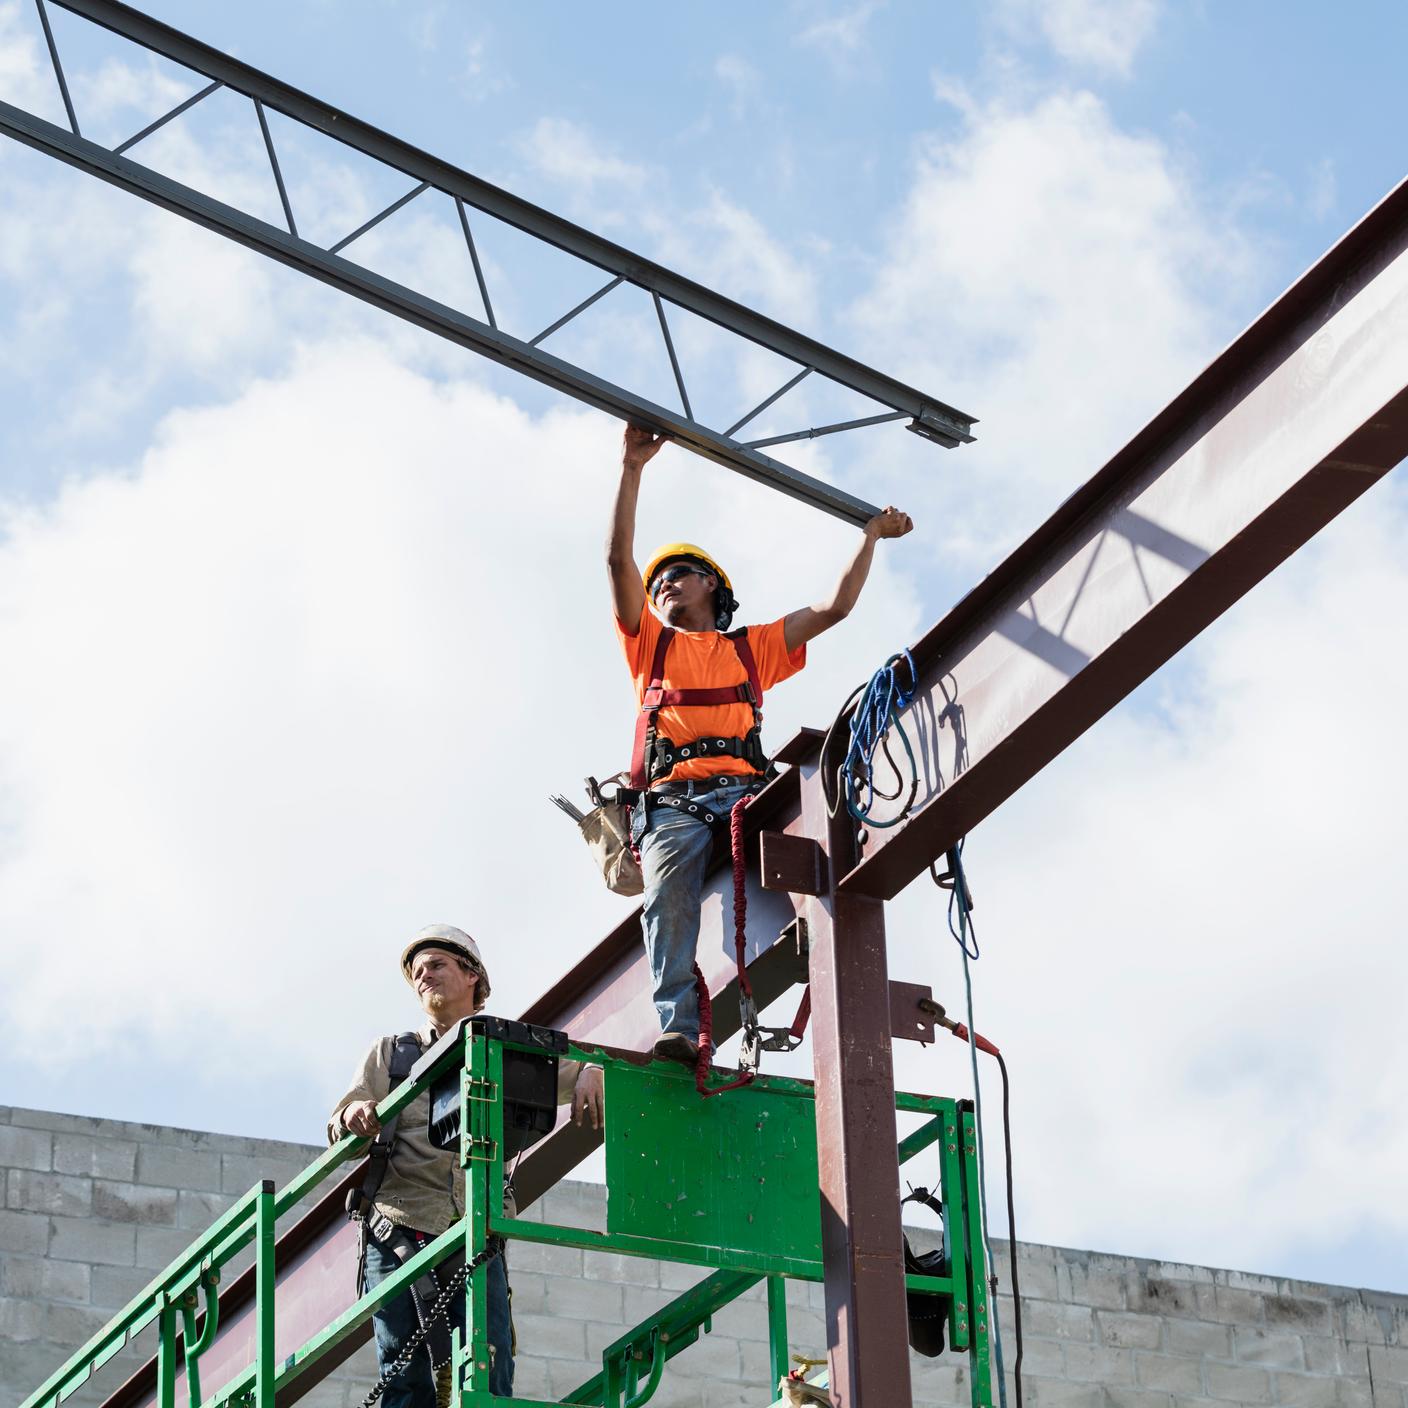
801	626
638	446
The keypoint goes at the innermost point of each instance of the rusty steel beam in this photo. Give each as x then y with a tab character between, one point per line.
1294	421
867	1329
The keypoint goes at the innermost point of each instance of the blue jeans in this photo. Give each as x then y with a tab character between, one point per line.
397	1321
675	847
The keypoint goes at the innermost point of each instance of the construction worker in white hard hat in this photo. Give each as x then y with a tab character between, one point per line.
413	1191
698	736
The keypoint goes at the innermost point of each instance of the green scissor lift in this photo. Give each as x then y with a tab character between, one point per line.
729	1183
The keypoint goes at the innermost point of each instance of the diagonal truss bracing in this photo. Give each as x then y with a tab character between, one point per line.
926	415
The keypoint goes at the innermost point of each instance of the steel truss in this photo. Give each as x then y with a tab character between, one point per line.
925	415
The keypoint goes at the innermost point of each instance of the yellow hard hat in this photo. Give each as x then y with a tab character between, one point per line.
690	550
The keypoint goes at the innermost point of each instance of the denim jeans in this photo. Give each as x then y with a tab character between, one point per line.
397	1321
675	847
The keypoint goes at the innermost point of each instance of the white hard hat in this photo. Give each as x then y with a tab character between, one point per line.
452	940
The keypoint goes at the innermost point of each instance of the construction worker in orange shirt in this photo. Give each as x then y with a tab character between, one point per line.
698	737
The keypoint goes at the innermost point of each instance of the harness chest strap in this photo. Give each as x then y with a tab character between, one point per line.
657	697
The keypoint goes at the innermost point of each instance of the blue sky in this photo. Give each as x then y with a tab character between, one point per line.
269	561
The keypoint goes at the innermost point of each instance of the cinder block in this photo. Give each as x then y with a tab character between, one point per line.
1159	1295
72	1324
937	1382
1122	1397
102	1243
1356	1393
1037	1276
1250	1281
1237	1383
196	1211
622	1270
1102	1287
634	1303
542	1256
1299	1314
1129	1331
676	1276
24	1232
1197	1338
25	1148
530	1292
1040	1357
1236	1307
1257	1346
1054	1320
21	1320
159	1246
735	1395
29	1191
530	1377
1363	1323
1334	1356
30	1278
1388	1365
548	1337
1053	1393
584	1300
1306	1391
112	1287
169	1166
88	1157
239	1173
1164	1371
743	1321
131	1202
565	1374
1098	1363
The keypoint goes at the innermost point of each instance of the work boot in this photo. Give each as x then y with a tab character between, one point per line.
676	1046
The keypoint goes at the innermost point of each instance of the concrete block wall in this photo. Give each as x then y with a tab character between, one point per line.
93	1208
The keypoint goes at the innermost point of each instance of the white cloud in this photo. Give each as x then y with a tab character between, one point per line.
302	680
1102	35
570	155
20	72
841	34
1060	278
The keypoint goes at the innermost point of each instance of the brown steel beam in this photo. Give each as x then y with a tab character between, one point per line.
862	1244
1299	416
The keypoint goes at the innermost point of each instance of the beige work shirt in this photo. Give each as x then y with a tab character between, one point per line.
424	1186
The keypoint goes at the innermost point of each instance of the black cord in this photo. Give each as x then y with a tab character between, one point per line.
1011	1226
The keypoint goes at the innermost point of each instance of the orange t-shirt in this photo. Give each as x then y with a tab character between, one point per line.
706	660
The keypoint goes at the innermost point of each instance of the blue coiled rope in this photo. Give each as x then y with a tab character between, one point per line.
885	698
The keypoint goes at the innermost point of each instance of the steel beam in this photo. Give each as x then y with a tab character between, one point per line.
867	1329
1303	413
427	313
928	416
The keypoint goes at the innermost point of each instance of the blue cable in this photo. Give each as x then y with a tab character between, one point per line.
885	698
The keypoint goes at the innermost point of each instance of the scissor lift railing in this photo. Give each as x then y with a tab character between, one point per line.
728	1183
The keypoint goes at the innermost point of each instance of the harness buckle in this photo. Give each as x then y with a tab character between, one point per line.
751	1056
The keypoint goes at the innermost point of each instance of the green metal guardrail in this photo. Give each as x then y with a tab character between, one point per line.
729	1184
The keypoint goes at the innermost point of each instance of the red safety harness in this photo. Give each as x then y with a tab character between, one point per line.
653	757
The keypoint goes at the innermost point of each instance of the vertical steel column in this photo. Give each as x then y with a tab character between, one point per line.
265	1365
862	1245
